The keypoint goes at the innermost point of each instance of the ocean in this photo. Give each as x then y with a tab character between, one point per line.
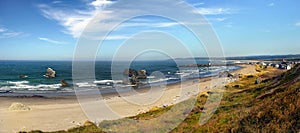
32	81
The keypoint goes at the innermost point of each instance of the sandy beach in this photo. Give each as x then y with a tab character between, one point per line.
61	113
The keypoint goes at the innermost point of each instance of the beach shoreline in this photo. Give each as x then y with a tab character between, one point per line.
61	113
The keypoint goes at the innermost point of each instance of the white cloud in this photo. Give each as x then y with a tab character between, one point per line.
101	3
220	19
56	2
2	29
117	37
73	20
198	4
149	24
298	23
51	41
213	11
271	4
6	33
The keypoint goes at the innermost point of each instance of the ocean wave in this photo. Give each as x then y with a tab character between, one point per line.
18	82
25	85
158	80
19	86
85	84
108	82
150	77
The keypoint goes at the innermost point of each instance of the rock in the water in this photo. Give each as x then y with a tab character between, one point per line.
50	73
134	75
64	83
18	106
130	72
22	76
142	74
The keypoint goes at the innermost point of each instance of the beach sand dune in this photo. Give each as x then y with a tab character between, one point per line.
51	114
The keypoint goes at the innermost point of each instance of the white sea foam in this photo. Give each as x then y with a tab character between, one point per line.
86	84
158	80
24	85
108	81
17	82
150	77
5	88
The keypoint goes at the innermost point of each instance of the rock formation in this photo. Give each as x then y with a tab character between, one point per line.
225	74
18	107
142	74
64	83
134	75
22	76
50	73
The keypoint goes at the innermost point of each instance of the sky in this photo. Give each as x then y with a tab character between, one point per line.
52	30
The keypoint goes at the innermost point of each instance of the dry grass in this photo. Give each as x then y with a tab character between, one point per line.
270	106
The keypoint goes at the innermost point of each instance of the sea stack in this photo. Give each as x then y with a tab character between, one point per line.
134	75
64	83
142	74
50	73
22	76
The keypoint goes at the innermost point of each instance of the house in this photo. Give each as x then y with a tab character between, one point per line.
263	63
288	67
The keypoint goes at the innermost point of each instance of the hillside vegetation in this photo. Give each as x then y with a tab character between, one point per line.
269	106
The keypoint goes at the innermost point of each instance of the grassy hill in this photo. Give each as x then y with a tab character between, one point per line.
273	105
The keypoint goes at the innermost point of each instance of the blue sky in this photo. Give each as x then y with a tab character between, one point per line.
49	30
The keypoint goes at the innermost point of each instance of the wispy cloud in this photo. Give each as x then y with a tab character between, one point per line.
198	4
99	4
6	33
219	19
51	41
149	24
57	2
73	20
2	29
298	23
271	4
117	37
214	11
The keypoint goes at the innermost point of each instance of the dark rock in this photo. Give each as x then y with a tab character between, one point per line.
236	86
142	74
64	83
22	76
225	74
130	72
134	75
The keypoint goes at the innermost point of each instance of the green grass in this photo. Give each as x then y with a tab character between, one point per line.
88	127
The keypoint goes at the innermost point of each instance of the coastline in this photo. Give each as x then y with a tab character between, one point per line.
61	113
